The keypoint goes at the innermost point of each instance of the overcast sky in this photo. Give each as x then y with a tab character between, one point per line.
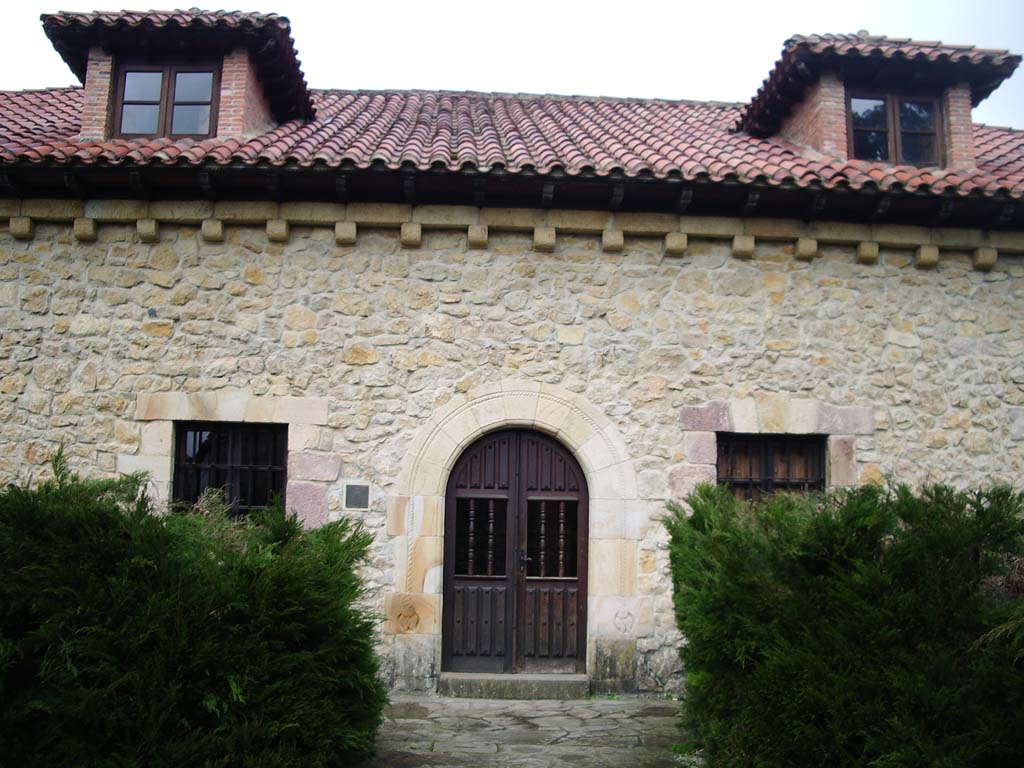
676	49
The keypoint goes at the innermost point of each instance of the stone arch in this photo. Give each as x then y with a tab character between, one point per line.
616	614
588	433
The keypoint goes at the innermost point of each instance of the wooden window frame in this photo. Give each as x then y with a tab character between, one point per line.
236	433
167	103
894	134
768	445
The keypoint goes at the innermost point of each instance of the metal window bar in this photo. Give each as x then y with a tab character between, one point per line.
758	465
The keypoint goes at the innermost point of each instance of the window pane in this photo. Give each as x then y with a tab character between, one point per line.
143	86
868	113
917	116
192	119
871	145
193	86
919	148
140	118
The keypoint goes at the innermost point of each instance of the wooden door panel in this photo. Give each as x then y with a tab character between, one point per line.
515	557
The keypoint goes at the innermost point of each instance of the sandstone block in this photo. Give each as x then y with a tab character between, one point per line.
711	226
299	318
156	438
743	246
477	236
845	420
84	230
297	410
245	211
312	214
379	214
1011	242
395	515
212	230
278	230
775	229
422	559
806	248
683	478
157	467
984	259
412	235
446	216
675	243
838	232
181	211
867	253
647	223
345	233
544	239
148	230
612	567
700	447
116	210
21	227
612	241
163	329
842	466
713	416
412	613
926	256
308	501
900	235
515	219
360	354
578	222
570	334
53	210
324	467
10	207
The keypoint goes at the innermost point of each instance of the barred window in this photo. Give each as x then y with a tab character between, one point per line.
248	462
758	465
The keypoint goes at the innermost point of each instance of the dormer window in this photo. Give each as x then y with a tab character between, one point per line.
172	100
894	129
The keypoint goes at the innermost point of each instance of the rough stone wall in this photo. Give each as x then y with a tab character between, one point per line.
389	334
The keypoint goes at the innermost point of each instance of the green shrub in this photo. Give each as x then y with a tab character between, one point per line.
132	639
876	627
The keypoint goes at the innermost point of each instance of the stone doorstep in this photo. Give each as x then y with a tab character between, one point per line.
483	685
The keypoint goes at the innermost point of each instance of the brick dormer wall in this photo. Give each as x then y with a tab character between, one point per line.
956	112
243	110
96	108
819	121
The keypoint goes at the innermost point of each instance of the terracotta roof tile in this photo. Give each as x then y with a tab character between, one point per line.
459	131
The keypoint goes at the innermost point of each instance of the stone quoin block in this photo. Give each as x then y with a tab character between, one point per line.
676	243
212	230
412	235
612	241
867	253
21	227
544	239
926	256
743	246
85	230
984	259
476	236
806	248
345	233
278	230
148	230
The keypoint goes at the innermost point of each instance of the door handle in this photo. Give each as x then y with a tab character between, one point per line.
523	559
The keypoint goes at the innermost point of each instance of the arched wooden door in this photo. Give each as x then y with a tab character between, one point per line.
515	557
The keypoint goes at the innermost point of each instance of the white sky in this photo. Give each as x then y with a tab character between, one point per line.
707	50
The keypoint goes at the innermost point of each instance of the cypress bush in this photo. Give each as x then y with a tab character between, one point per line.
191	639
874	627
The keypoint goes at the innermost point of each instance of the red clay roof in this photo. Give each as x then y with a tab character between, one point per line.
516	133
900	47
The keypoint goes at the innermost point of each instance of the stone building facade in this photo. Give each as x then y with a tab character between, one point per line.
390	337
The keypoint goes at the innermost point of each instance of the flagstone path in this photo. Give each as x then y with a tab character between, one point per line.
592	733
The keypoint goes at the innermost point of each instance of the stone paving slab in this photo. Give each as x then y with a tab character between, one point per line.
589	733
